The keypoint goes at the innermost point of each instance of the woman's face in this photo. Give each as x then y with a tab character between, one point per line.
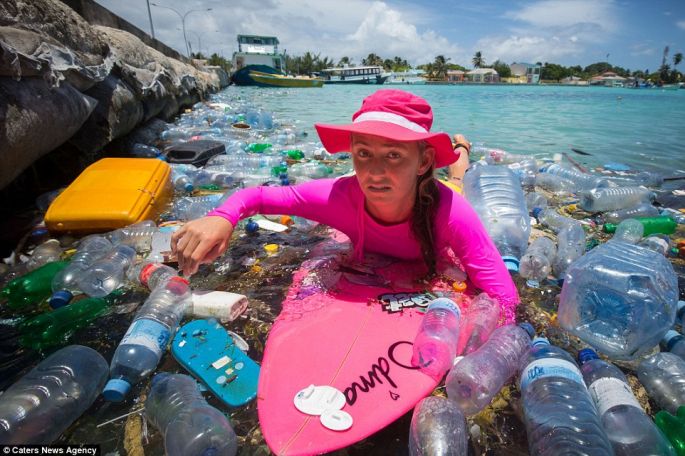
387	172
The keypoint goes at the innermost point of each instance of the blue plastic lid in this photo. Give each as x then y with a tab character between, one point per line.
116	390
536	211
252	226
527	327
512	263
670	339
188	187
60	299
540	341
285	181
586	354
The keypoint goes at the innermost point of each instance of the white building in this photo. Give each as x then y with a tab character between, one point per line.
482	75
529	70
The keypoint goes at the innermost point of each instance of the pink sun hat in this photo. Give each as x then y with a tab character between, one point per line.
392	114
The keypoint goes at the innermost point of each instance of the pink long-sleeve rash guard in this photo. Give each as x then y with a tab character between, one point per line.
339	203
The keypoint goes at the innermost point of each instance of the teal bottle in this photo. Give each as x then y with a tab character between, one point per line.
32	288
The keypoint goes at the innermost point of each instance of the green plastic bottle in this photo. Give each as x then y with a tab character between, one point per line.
653	225
295	154
54	328
32	288
258	147
673	428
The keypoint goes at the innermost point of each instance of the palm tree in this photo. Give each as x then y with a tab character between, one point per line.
372	59
677	58
440	67
345	61
478	60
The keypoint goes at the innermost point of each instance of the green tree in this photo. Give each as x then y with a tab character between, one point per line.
501	68
217	60
372	59
440	67
478	60
344	61
677	58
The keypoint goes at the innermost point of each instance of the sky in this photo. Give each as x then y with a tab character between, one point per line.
628	33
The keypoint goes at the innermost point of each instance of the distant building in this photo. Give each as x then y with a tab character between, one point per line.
609	79
455	75
573	80
515	79
483	75
528	70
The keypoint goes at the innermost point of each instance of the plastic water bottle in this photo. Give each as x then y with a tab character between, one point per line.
47	400
221	179
473	387
498	156
189	425
658	243
581	180
629	231
630	430
652	225
552	219
64	285
496	195
680	313
555	184
45	253
571	244
438	427
193	207
478	322
612	199
144	151
673	427
674	342
536	263
435	345
138	235
107	274
146	339
181	181
646	178
641	210
151	275
620	299
559	414
30	289
663	376
536	200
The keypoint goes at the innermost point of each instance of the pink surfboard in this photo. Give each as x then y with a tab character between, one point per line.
351	327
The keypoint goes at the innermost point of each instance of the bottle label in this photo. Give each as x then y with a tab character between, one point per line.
550	367
609	392
148	333
445	303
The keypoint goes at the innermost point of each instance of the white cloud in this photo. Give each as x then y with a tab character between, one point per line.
681	24
526	48
567	13
642	49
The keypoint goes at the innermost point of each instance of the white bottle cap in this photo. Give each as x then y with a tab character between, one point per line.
336	420
314	400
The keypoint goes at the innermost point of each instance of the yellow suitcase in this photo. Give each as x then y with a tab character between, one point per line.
112	193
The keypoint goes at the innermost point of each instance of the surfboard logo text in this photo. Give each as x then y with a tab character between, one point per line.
377	374
396	302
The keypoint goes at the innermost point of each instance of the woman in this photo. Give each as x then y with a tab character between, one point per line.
392	205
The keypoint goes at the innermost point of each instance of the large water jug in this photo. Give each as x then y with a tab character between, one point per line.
559	414
496	195
620	299
44	402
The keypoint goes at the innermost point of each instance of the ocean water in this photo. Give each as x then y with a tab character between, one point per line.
643	128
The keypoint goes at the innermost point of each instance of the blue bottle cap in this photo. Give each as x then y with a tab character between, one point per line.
527	327
670	339
252	226
540	341
188	187
116	390
586	354
512	263
536	211
60	299
285	181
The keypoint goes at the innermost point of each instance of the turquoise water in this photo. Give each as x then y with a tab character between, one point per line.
639	127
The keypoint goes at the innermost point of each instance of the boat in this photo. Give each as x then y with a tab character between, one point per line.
405	77
354	75
258	63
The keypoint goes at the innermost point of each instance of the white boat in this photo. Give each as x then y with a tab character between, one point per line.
405	77
354	75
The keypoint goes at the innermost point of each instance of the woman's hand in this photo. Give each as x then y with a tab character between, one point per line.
199	242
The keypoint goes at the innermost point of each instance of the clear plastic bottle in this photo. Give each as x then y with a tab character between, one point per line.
151	275
107	274
641	210
680	313
674	342
45	253
47	400
146	339
498	156
620	299
144	151
189	425
536	263
612	199
559	414
312	170
473	387
552	219
571	243
138	235
435	345
478	322
64	285
629	231
663	376
438	428
660	243
646	178
555	184
536	200
193	207
630	430
582	181
496	195
181	181
221	179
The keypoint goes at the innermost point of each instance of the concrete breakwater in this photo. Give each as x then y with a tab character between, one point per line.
73	83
